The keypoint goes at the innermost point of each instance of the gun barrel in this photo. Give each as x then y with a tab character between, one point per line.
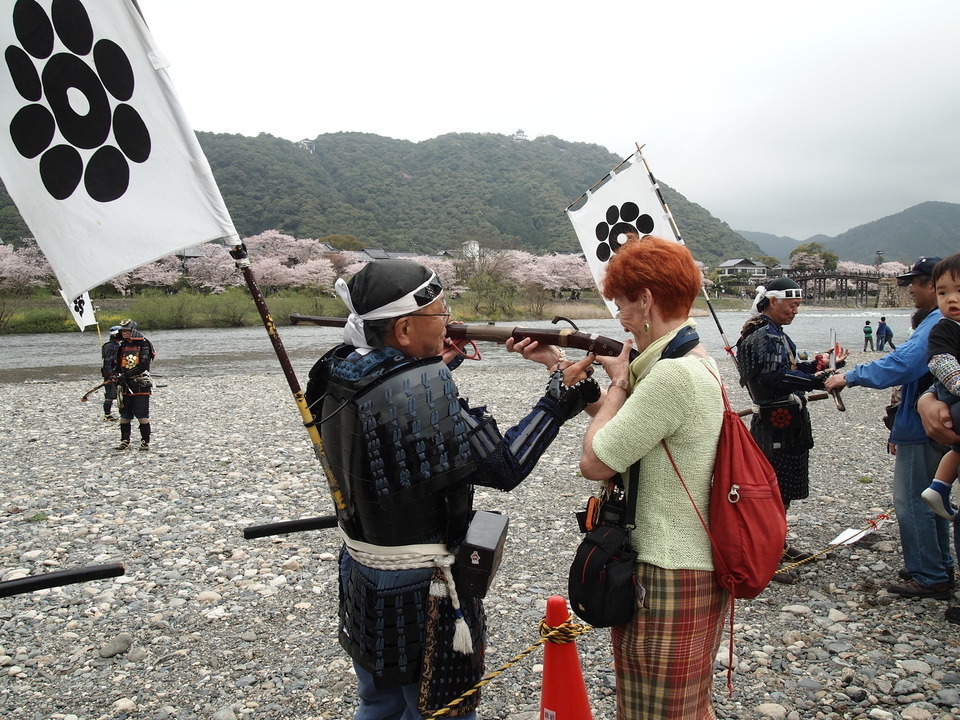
564	337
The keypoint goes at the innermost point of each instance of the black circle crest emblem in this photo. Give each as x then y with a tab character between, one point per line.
620	220
76	117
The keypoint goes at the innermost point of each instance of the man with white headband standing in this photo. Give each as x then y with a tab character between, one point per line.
778	383
405	451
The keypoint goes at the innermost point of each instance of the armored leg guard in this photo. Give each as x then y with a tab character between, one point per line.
145	436
124	435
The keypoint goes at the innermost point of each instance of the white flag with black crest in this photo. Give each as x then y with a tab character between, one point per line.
626	202
81	309
95	149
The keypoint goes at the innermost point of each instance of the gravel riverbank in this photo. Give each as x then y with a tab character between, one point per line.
205	624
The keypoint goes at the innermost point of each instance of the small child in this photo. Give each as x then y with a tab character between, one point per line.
943	357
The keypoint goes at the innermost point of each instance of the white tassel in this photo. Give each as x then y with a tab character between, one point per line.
462	639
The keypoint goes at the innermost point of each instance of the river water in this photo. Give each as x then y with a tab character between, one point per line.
76	356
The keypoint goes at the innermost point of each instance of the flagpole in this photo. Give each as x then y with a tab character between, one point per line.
676	232
599	182
239	254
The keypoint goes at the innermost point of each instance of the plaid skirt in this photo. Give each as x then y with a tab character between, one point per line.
665	655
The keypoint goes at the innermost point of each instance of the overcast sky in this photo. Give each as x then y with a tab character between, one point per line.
792	118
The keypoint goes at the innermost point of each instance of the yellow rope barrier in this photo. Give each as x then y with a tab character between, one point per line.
566	633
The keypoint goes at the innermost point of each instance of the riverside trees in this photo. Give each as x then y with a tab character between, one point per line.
500	282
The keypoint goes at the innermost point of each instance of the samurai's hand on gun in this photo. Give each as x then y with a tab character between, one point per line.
454	347
837	380
837	357
553	357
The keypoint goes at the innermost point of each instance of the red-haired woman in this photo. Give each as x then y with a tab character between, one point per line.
664	656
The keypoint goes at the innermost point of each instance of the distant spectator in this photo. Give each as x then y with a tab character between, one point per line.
881	333
867	336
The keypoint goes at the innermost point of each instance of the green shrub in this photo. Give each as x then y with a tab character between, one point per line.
42	320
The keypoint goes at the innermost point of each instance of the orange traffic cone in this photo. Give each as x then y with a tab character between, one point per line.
564	695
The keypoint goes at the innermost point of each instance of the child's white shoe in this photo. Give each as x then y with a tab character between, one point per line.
937	496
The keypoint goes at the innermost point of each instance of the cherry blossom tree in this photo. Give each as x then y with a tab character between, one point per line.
486	273
565	272
848	267
213	271
315	273
163	273
807	262
340	261
893	268
352	269
271	273
21	270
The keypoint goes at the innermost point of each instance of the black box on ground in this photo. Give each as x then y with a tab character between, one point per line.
480	553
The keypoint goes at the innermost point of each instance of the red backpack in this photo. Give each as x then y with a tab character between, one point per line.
748	524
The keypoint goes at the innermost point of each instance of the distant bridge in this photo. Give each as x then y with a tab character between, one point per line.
863	289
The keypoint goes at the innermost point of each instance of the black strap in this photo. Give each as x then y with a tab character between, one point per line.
683	342
630	518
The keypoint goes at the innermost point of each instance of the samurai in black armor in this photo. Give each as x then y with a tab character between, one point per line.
778	382
405	451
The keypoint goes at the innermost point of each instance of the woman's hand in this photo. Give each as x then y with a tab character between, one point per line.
618	368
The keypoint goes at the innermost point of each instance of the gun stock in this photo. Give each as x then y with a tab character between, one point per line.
564	337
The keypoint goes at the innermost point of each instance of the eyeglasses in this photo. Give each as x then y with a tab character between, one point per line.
792	293
446	312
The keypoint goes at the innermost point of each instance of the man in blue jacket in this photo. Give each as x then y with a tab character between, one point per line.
924	536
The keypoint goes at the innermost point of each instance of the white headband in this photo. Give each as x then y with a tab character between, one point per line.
353	333
762	292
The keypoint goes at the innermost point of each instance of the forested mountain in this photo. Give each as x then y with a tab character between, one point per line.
424	197
930	228
778	246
